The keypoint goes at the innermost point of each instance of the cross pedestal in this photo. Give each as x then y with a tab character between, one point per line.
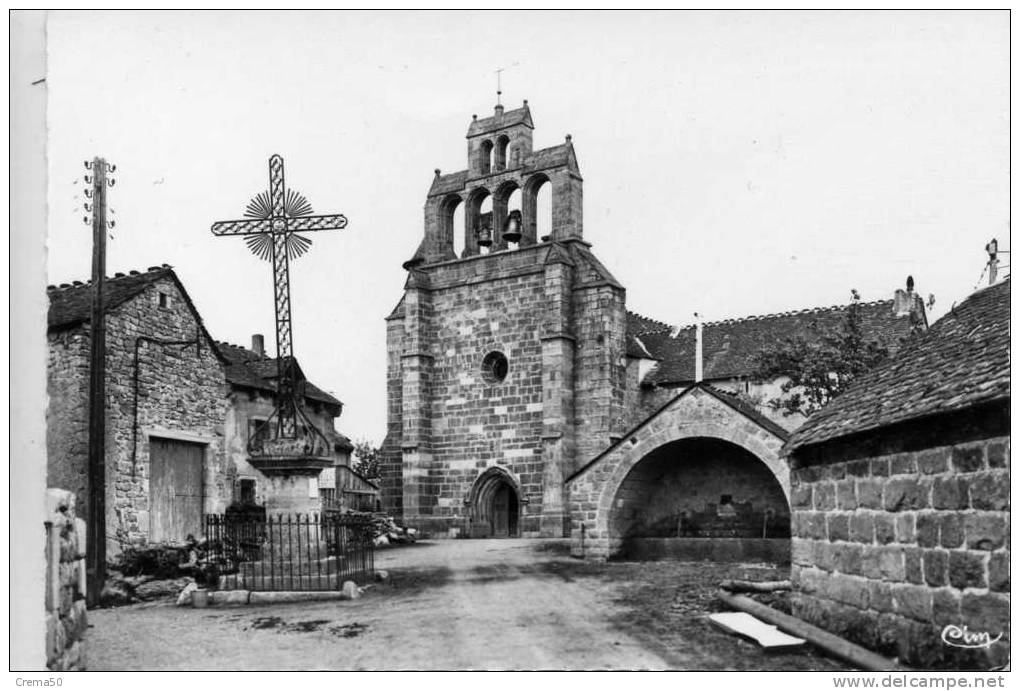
288	487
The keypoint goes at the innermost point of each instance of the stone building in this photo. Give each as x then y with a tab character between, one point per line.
900	494
522	393
178	408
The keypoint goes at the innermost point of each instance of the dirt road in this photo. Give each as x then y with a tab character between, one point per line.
451	605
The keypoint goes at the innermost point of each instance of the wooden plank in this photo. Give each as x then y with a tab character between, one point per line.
829	642
175	489
765	635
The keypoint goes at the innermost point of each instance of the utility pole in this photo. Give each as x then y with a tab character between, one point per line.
96	534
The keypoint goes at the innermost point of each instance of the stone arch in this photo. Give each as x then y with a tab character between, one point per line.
485	157
698	488
500	210
445	222
484	504
696	413
499	157
529	207
473	220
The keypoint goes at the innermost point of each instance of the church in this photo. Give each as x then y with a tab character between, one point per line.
524	399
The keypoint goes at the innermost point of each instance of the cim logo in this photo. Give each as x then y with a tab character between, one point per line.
961	637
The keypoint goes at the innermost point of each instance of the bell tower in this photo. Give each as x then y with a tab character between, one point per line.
506	360
501	159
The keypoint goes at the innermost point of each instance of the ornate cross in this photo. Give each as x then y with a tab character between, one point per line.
271	222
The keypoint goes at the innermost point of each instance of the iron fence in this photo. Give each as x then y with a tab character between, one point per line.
289	552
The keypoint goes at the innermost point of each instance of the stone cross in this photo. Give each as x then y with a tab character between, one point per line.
272	220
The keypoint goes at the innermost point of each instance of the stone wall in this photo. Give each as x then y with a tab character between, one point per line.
67	414
181	394
889	550
66	622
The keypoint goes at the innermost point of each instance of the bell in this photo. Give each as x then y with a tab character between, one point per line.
484	235
512	227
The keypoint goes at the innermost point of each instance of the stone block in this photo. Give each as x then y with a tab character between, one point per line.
912	571
822	555
869	494
989	491
936	567
228	597
839	526
912	601
862	527
905	494
967	459
998	455
927	529
933	461
860	468
949	493
951	529
847	558
946	606
967	569
834	471
985	531
998	572
810	581
905	529
880	467
846	495
850	590
885	527
880	596
902	464
825	496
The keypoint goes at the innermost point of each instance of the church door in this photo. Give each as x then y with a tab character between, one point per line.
504	512
175	489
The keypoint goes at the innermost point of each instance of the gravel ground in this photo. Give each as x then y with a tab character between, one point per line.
461	604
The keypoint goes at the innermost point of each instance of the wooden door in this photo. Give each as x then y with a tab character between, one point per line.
175	489
501	511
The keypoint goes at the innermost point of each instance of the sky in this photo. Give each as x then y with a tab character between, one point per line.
734	163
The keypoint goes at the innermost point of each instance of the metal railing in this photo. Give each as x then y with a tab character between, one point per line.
289	552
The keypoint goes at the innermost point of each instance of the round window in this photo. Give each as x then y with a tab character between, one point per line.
495	367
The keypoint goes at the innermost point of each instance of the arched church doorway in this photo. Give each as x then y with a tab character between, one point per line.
495	505
701	497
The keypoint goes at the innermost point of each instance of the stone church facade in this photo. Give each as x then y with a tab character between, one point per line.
516	375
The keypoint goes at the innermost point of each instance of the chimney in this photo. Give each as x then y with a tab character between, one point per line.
699	373
904	300
258	344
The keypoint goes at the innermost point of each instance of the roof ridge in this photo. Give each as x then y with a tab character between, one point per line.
664	325
787	313
116	276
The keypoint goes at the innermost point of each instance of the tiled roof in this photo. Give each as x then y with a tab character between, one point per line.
961	361
729	347
71	303
639	324
249	369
